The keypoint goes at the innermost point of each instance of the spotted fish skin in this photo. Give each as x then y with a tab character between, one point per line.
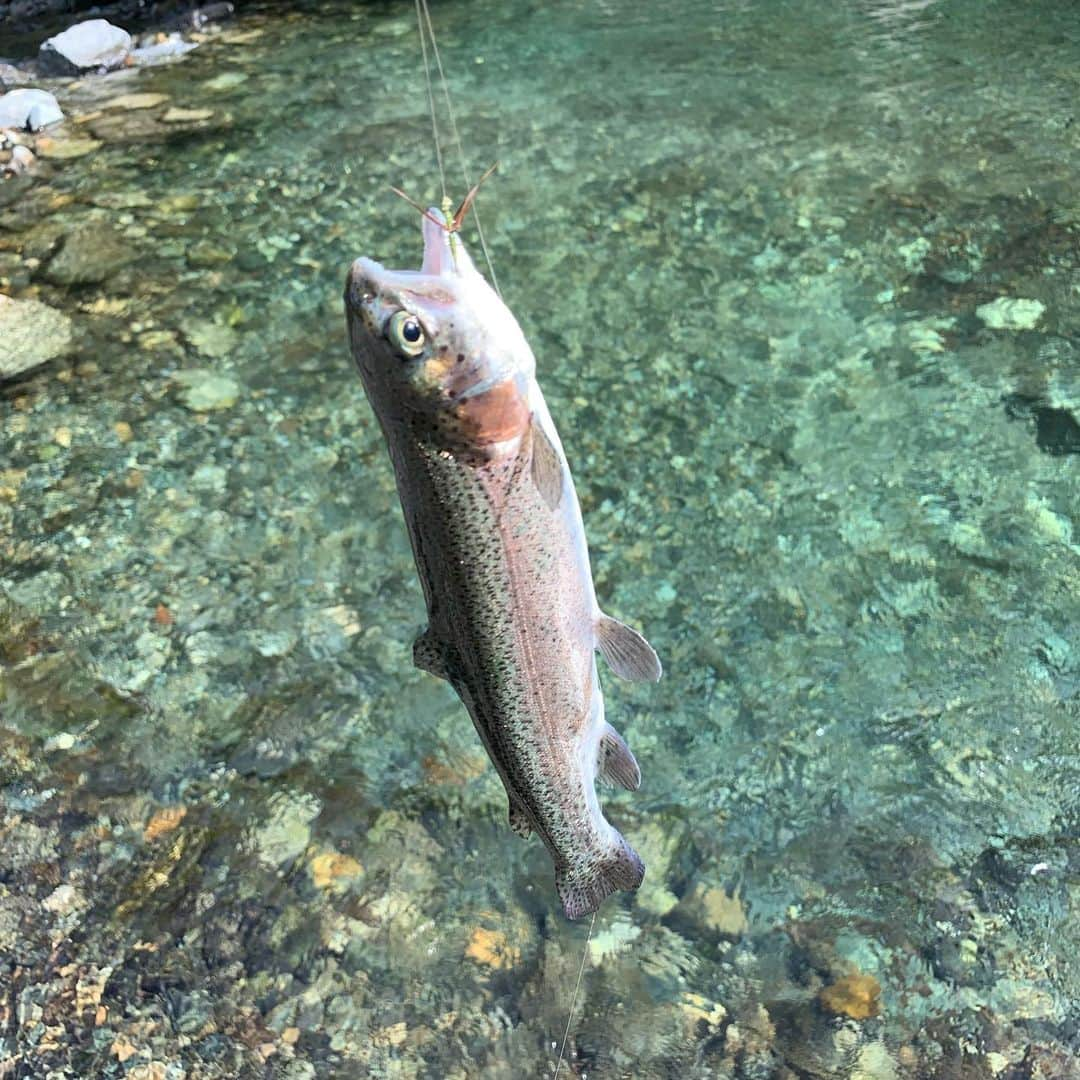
499	544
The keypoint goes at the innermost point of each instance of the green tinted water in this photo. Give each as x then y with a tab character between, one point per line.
753	249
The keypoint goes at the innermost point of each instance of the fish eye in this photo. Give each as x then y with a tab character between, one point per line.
406	334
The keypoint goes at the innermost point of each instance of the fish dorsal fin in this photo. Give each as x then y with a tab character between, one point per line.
617	761
428	656
628	654
547	470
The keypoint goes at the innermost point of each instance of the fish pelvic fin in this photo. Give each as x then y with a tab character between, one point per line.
617	761
583	887
428	655
520	822
627	652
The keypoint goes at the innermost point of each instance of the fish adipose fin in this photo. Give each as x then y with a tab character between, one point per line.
582	889
617	761
519	818
427	655
628	654
547	470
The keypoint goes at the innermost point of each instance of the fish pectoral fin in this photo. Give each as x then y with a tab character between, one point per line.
617	761
628	654
546	469
520	822
428	655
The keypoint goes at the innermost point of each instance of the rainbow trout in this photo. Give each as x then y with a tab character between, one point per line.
496	531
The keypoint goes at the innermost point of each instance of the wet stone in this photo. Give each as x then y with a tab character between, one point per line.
90	254
203	390
144	100
1007	313
66	147
31	334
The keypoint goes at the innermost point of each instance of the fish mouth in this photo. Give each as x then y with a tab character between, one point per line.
445	256
362	291
444	251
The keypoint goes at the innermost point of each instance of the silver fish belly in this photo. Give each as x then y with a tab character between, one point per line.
499	544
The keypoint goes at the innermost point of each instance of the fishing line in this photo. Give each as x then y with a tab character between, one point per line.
423	15
573	1001
431	100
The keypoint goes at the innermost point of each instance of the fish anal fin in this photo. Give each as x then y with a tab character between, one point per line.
617	761
628	654
582	889
546	468
520	822
428	655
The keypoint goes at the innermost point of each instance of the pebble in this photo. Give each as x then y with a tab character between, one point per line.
22	160
227	80
287	832
62	899
856	995
206	391
721	913
1007	313
66	148
136	101
330	868
186	116
164	821
490	948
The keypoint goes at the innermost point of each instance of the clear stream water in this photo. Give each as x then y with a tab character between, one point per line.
753	247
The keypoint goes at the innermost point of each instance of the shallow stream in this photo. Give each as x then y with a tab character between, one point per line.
766	256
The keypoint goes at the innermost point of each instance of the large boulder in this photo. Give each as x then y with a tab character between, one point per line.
28	110
94	45
31	333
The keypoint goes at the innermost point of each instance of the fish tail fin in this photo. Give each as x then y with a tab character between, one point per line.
582	889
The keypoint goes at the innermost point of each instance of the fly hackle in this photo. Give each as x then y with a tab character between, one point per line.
455	223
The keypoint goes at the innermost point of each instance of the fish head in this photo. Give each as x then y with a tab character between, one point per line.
438	349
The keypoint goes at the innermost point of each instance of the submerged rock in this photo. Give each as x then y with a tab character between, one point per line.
136	101
90	254
93	45
31	333
206	391
49	147
29	110
856	995
1007	313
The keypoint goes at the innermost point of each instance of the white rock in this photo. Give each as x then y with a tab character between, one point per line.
1007	313
93	45
33	109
